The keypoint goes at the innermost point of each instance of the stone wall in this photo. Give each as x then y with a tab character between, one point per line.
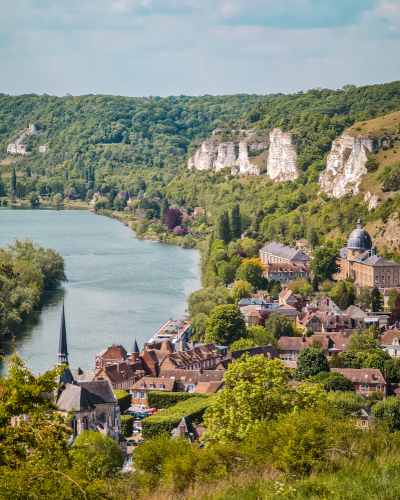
282	157
345	165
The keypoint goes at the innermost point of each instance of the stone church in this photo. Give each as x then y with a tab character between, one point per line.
95	406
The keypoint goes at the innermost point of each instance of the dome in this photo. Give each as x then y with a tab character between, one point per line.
359	239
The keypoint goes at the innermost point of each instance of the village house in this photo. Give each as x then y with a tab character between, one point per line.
358	260
365	419
121	375
301	243
355	312
268	351
194	357
290	347
286	297
287	273
43	149
365	380
187	378
190	430
111	356
97	196
326	302
198	210
391	342
141	388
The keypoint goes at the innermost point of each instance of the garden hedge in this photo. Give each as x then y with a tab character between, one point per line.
124	400
159	399
127	425
166	420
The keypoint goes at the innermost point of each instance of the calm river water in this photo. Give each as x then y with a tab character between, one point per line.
118	286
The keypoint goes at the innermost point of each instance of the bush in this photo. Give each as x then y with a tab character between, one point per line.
371	165
159	399
334	381
124	400
127	425
169	419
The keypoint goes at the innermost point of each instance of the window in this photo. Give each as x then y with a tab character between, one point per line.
379	387
142	385
142	395
161	385
364	387
152	385
363	423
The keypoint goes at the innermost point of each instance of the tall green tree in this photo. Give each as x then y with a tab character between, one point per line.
392	298
236	223
13	183
376	300
224	228
252	273
163	209
325	262
2	188
311	362
312	237
364	298
225	325
279	326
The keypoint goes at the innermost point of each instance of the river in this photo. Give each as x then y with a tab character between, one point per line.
118	286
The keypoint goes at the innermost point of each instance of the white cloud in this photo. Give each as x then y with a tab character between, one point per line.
143	47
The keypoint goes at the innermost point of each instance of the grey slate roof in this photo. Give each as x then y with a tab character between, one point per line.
248	302
75	397
359	238
100	391
135	348
284	252
211	376
84	375
377	260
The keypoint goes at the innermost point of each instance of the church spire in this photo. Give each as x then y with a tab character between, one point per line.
62	345
135	348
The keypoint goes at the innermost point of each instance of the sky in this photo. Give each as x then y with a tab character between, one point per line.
196	47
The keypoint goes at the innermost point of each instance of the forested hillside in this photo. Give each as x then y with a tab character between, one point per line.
98	136
287	211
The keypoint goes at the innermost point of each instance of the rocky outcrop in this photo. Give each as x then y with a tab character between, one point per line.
226	156
204	157
372	199
223	156
345	165
282	158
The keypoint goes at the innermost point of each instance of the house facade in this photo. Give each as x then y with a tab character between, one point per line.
365	380
140	389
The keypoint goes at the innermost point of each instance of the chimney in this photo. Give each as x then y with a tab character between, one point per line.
373	251
181	345
303	339
181	430
192	344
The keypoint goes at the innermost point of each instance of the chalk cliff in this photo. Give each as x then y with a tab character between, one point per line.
282	157
372	199
345	165
223	155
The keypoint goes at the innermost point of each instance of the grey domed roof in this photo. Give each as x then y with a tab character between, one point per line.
359	238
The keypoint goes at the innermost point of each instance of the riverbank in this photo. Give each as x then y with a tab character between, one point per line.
114	282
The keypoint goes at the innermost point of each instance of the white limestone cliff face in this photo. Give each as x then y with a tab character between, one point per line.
282	157
222	156
226	156
372	199
345	166
204	157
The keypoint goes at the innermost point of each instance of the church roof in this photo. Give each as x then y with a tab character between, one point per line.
100	391
75	397
135	348
62	343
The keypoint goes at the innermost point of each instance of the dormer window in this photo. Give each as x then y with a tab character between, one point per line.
152	385
142	385
162	386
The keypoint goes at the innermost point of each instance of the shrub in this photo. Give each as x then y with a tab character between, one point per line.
124	400
127	425
371	165
169	419
159	399
334	381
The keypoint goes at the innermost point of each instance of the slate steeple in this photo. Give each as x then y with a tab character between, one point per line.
135	352
66	377
62	344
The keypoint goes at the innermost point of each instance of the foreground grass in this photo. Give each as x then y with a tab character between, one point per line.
371	479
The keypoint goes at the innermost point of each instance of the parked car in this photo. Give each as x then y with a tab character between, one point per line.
153	410
137	428
140	441
129	412
131	442
135	433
